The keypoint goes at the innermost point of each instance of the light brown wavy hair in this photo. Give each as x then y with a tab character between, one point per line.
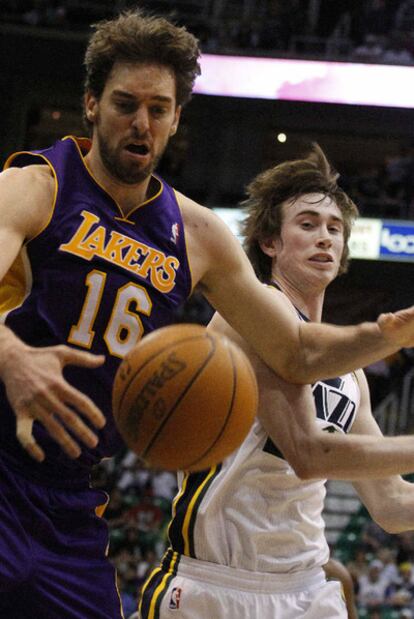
284	183
136	37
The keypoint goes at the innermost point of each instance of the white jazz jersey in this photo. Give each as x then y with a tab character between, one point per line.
252	512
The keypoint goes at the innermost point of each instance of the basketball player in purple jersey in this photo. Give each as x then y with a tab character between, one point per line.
96	251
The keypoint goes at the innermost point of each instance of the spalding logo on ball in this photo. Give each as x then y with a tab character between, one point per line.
184	398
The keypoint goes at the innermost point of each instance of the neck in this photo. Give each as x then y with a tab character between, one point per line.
128	197
310	303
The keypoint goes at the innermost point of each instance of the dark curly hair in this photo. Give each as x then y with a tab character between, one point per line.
270	190
135	37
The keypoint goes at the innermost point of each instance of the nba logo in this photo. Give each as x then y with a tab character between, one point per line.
175	598
175	233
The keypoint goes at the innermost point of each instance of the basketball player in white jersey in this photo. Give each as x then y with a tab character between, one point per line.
247	536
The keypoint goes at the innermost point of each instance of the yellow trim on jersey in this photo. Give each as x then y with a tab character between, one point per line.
185	244
86	142
12	289
144	588
161	586
121	610
16	285
175	501
190	509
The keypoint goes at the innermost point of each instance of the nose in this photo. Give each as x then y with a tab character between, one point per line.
141	120
324	237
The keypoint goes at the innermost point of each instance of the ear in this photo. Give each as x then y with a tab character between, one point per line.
270	247
91	106
176	120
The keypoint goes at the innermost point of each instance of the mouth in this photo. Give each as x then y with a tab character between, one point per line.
322	259
138	149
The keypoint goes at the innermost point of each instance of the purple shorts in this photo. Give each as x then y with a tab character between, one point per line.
53	562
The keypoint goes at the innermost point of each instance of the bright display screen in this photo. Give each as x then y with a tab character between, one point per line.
306	80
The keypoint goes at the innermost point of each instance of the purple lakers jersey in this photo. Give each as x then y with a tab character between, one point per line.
93	279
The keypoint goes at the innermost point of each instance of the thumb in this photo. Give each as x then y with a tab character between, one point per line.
72	356
385	320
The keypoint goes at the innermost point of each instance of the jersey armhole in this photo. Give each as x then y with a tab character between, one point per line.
31	158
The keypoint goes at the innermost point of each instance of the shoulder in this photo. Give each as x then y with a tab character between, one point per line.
27	195
30	180
283	298
212	247
196	216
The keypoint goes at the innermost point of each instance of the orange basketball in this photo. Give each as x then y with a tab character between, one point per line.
184	398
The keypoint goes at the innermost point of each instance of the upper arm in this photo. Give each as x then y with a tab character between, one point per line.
390	502
25	201
286	411
225	276
379	496
364	421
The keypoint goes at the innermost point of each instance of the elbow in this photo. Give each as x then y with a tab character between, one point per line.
297	373
305	462
295	365
303	470
390	523
306	471
391	526
314	457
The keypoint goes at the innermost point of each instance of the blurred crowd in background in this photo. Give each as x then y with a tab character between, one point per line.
366	30
381	566
385	191
380	190
378	31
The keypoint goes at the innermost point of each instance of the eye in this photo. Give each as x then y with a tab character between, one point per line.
158	111
306	225
125	107
335	229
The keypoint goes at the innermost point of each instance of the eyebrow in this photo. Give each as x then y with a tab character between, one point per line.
131	97
317	214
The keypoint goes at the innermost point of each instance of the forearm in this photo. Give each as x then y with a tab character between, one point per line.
302	352
390	503
329	351
355	457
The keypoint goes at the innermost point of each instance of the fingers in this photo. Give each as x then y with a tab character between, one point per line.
398	327
73	356
73	397
56	404
54	411
24	426
57	418
81	403
384	319
56	430
24	435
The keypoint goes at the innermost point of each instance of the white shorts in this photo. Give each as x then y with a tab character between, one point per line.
196	589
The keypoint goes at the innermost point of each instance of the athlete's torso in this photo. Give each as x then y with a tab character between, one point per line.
92	279
252	512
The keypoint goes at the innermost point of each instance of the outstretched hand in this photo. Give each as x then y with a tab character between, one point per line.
398	327
37	390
